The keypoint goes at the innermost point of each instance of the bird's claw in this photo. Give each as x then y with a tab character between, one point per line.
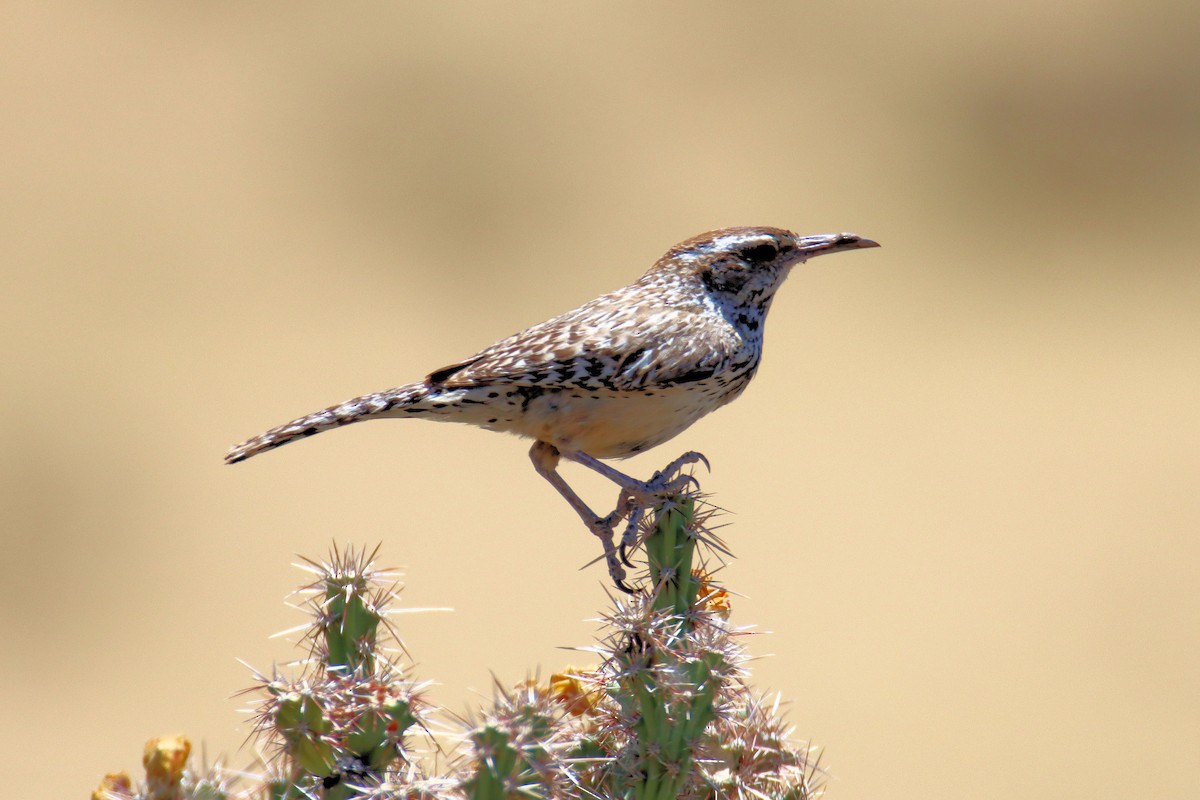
668	481
602	528
630	539
690	457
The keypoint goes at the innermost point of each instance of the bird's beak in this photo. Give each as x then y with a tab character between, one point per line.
810	246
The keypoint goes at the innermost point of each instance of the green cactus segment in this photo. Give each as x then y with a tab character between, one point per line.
350	624
378	734
667	685
340	732
670	551
304	727
676	704
499	767
521	749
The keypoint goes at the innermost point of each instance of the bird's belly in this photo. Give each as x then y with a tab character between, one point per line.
616	424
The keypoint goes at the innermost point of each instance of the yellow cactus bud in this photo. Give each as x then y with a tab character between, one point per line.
569	689
709	597
164	759
115	785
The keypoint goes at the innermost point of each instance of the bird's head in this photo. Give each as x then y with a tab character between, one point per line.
743	267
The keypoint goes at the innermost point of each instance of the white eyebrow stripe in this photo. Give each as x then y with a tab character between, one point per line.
737	241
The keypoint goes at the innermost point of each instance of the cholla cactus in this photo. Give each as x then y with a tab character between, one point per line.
666	713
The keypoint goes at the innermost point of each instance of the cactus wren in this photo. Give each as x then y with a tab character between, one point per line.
616	376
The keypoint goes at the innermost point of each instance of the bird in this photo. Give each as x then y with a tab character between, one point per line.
615	377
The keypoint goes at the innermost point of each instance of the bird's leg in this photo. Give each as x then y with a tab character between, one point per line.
545	457
659	487
637	496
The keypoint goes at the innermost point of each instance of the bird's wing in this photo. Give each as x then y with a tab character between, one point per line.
616	342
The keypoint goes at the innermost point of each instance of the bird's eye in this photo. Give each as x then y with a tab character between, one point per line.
760	253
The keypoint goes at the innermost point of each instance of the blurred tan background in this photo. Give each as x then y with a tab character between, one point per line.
965	480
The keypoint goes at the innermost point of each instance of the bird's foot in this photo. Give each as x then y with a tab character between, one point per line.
636	500
668	481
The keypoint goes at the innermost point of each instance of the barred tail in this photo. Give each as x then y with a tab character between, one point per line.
355	410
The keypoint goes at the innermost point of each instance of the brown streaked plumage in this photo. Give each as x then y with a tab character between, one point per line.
618	375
